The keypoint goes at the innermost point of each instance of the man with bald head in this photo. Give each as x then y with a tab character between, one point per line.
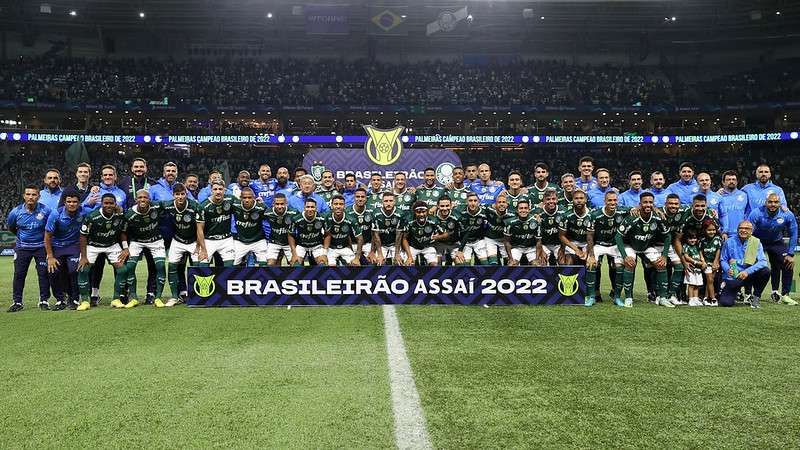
487	189
770	222
743	265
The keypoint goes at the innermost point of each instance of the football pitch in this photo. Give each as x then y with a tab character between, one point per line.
502	377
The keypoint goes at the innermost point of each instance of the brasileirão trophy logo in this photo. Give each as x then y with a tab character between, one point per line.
383	146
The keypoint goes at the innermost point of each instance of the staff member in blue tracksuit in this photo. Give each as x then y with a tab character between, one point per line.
630	198
687	186
758	191
62	245
27	221
50	196
733	207
769	224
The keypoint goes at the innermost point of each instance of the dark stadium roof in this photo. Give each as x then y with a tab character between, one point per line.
497	26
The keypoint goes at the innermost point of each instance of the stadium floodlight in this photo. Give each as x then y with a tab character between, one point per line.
777	13
73	13
269	15
794	135
541	18
141	15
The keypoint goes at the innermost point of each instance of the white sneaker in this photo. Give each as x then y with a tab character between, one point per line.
171	302
664	302
695	302
674	300
629	303
707	302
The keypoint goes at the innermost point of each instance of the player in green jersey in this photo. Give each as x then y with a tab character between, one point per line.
417	236
643	237
281	220
449	221
308	235
429	192
361	217
547	218
473	231
183	213
340	235
605	221
522	237
250	229
385	231
576	232
515	192
536	191
458	190
327	187
214	227
375	191
102	233
142	229
496	217
404	197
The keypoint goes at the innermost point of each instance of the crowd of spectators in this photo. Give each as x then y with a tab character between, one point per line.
28	164
337	82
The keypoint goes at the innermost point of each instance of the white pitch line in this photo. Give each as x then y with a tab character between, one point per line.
410	431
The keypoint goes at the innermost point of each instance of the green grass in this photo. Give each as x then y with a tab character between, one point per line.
503	377
231	378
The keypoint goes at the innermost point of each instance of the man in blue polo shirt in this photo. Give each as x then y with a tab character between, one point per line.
630	198
50	196
586	182
657	182
712	198
597	196
687	186
28	221
733	206
743	265
264	185
770	223
62	245
758	190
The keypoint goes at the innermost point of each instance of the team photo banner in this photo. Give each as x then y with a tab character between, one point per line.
385	285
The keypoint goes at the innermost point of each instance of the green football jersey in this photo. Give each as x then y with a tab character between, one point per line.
184	221
249	223
342	231
675	222
280	226
143	227
102	231
496	222
403	203
216	218
576	227
693	223
326	194
548	225
309	233
536	195
605	226
420	235
513	200
564	202
710	247
522	233
451	223
692	251
386	226
641	234
374	199
362	222
473	226
429	195
458	197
